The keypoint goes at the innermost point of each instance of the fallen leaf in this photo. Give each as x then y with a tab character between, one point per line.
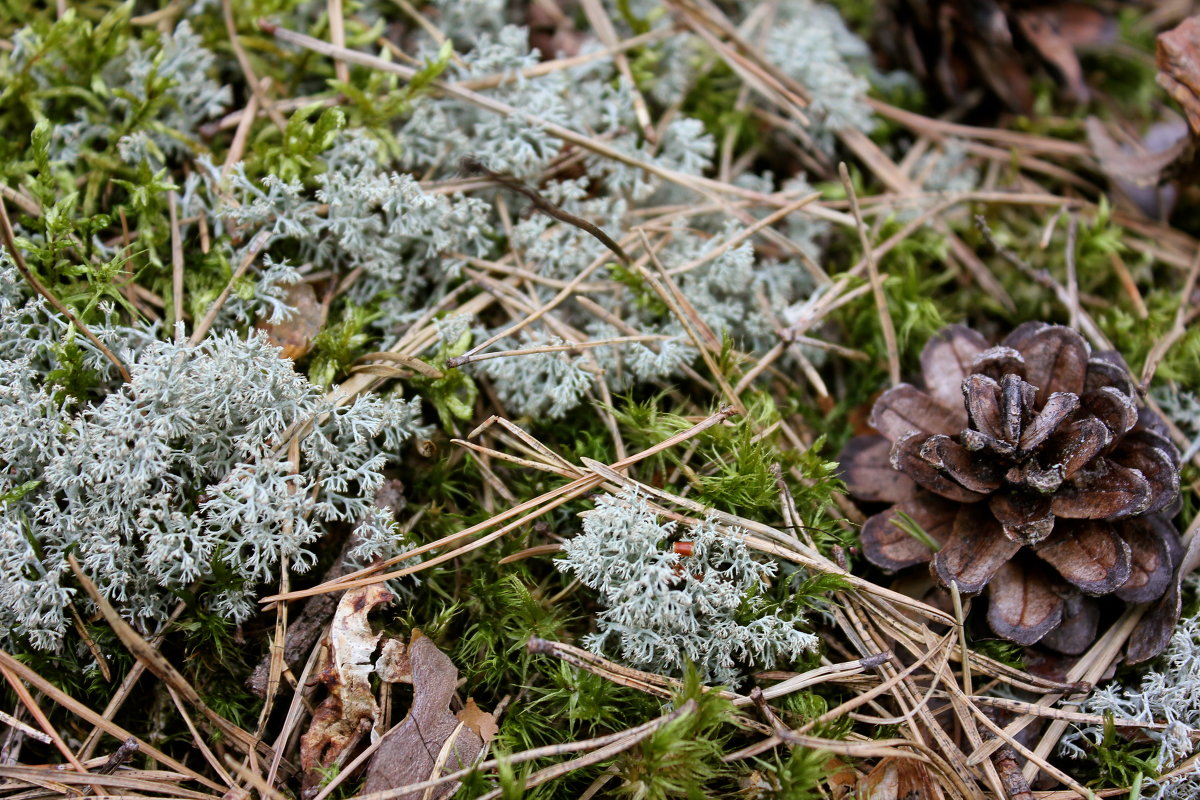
430	740
296	333
1179	67
897	779
349	711
478	720
394	665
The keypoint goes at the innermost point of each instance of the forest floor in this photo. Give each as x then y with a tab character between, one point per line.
590	398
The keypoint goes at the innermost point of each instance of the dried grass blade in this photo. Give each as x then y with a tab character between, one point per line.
158	664
80	710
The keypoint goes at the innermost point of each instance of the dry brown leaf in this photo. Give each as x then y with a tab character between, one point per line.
394	665
1179	67
410	751
479	720
340	722
897	779
296	333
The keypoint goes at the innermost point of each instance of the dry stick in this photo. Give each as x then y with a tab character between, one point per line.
256	246
292	719
80	710
158	664
746	233
599	755
9	238
881	306
677	303
931	126
471	165
123	753
867	749
1178	327
28	730
1086	325
265	790
126	687
648	682
552	499
560	348
1027	708
140	784
234	118
1129	285
1073	308
604	315
42	720
176	266
243	60
705	186
199	741
868	152
337	35
240	137
553	303
538	752
603	28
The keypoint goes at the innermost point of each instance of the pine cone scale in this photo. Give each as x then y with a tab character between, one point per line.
1090	555
975	551
1022	603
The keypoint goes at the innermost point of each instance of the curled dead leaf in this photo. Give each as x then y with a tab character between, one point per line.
349	711
478	720
430	741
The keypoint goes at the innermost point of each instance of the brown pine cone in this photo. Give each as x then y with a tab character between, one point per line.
1040	476
955	46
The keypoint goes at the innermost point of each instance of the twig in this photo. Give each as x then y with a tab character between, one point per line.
255	247
473	166
1073	309
337	35
243	60
158	664
119	756
1178	328
79	709
176	265
6	232
881	306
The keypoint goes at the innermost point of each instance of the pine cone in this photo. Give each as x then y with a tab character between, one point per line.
958	45
1039	475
